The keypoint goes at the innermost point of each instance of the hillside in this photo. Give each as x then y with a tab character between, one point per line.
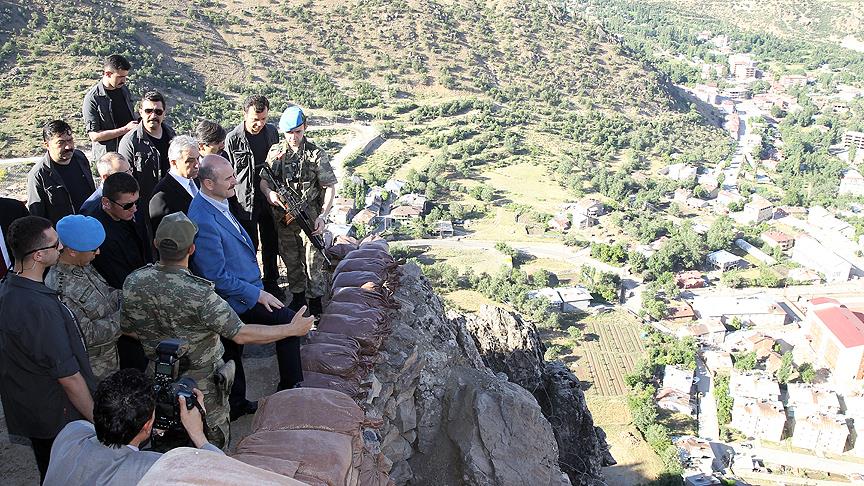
535	62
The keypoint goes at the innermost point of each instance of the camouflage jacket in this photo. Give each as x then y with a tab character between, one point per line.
97	307
161	302
307	171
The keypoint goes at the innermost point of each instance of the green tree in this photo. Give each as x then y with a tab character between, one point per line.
785	370
745	361
724	399
807	373
721	233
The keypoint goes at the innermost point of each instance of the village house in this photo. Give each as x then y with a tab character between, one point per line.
852	183
821	218
588	207
559	222
374	198
836	334
691	279
725	198
805	399
710	331
680	172
753	384
723	260
444	228
788	80
776	239
758	209
759	309
680	312
695	454
811	254
565	299
764	420
674	392
394	186
717	361
365	217
760	344
822	433
416	201
405	213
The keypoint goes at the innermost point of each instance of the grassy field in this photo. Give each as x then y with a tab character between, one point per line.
477	260
637	462
468	300
528	184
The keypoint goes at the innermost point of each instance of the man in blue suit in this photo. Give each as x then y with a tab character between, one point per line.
226	256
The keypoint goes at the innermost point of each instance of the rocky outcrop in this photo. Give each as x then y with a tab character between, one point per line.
448	418
512	346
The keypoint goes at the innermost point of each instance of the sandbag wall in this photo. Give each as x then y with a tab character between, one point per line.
315	433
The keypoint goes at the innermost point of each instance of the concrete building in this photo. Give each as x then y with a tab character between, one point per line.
821	218
674	393
365	217
405	213
710	331
764	420
742	67
754	384
776	239
717	361
811	254
804	399
854	138
789	80
824	433
588	207
758	209
565	299
837	336
695	454
759	309
725	197
680	172
723	260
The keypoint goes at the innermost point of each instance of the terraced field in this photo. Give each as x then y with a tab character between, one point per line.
610	349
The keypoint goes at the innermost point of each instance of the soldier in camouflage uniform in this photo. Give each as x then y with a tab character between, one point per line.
85	292
166	300
305	168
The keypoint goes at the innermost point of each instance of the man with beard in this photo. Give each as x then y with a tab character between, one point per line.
107	109
59	183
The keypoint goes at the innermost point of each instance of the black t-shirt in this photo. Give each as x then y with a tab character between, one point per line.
260	146
75	181
119	108
162	146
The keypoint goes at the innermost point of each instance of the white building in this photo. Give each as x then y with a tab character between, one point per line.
805	399
723	260
680	172
758	209
759	309
763	420
852	183
755	384
811	254
821	218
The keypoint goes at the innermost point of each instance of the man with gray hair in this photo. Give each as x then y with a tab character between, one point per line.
175	191
109	163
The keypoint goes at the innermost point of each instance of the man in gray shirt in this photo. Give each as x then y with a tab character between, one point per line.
107	452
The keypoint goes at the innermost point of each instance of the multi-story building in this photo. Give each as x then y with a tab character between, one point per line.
825	433
837	336
763	420
758	209
811	254
854	138
780	239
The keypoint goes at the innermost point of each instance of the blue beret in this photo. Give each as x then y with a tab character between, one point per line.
80	233
292	118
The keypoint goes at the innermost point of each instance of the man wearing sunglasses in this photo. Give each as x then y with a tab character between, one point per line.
45	376
125	249
146	148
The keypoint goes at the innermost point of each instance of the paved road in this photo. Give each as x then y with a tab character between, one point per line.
709	427
363	137
795	460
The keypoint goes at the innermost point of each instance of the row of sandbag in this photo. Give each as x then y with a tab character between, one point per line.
314	436
355	322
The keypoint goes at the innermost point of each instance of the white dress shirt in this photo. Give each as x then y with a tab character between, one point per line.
222	206
187	184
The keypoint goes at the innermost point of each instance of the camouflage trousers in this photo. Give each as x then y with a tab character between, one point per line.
304	264
216	405
103	360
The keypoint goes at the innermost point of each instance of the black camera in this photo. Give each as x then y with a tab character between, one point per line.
169	385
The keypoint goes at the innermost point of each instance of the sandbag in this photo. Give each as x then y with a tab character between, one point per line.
331	338
376	253
331	359
350	387
362	279
324	457
375	241
368	333
186	466
357	310
274	464
374	470
379	267
311	409
339	251
370	298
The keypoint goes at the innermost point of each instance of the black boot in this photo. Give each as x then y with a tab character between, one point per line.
298	300
315	308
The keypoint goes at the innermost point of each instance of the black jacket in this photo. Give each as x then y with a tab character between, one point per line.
143	156
168	197
47	195
99	116
241	158
126	248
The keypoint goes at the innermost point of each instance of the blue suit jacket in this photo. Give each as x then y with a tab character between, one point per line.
225	256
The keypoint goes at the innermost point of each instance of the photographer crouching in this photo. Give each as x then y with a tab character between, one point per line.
124	411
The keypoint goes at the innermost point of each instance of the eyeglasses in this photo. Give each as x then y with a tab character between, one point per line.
51	247
157	111
126	206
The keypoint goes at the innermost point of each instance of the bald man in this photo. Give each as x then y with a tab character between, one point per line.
226	256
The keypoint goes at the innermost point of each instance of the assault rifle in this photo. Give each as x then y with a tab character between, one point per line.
296	211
